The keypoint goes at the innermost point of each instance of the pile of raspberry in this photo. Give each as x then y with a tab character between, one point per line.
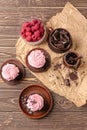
32	31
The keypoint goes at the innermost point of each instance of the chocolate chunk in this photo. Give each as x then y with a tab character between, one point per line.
57	77
67	82
56	35
60	45
57	66
73	76
63	32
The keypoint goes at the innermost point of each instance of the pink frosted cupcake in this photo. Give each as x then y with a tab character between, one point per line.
38	60
12	71
35	102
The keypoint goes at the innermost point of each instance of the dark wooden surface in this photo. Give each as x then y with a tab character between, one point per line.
65	115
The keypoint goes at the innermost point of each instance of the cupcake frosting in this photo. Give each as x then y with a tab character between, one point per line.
10	72
36	59
35	102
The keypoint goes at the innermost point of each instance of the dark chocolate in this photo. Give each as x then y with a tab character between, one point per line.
60	40
57	66
67	82
73	76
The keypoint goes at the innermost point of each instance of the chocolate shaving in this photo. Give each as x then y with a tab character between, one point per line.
73	76
57	66
67	82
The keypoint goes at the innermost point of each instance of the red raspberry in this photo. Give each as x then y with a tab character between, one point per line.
32	23
39	22
26	24
41	30
28	33
35	20
34	37
28	29
37	33
38	38
28	38
24	35
35	27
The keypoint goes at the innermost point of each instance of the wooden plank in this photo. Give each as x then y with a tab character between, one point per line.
54	121
10	3
43	13
6	53
8	42
48	3
9	16
9	30
40	3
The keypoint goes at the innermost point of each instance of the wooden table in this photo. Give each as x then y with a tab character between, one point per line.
65	115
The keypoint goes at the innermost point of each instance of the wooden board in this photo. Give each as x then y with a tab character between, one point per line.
14	13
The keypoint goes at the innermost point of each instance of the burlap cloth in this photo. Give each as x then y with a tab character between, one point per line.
72	20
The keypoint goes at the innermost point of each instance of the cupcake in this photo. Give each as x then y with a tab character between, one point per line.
60	40
35	101
12	71
38	60
72	59
34	32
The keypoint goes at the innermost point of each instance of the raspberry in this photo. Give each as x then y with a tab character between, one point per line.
32	29
34	37
32	23
28	33
41	30
28	29
26	24
39	22
35	27
24	35
28	38
37	33
38	38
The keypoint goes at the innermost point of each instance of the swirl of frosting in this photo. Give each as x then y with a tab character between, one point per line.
10	72
35	102
36	59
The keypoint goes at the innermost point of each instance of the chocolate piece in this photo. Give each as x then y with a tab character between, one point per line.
57	66
67	82
73	76
60	40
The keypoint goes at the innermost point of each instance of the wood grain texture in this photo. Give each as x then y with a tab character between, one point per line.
65	115
61	120
48	3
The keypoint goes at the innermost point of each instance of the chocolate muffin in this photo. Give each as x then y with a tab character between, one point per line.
38	60
60	40
12	71
72	59
35	101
